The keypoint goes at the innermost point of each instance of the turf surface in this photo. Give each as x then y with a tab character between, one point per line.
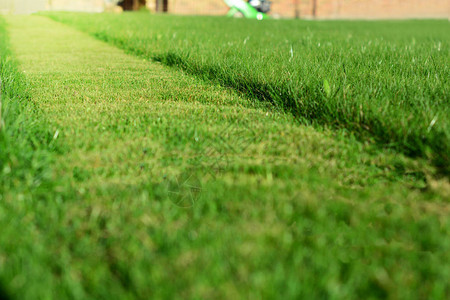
151	183
386	81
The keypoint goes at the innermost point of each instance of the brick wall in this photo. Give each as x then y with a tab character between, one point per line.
198	7
371	9
394	8
325	9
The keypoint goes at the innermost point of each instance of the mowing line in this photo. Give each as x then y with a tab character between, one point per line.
180	189
104	107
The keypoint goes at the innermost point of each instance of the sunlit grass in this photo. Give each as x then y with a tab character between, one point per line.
162	185
387	81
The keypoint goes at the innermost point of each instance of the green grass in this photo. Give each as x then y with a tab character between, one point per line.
162	185
26	180
25	143
386	81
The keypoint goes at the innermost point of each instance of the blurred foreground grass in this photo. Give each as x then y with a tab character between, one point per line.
121	178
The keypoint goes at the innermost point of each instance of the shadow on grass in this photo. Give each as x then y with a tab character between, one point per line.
4	295
311	105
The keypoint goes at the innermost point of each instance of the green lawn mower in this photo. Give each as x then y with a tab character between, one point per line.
253	9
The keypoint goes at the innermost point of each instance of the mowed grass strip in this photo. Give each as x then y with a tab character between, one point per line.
26	180
23	169
384	80
172	187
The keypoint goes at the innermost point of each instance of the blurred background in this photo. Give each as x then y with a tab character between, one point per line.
323	9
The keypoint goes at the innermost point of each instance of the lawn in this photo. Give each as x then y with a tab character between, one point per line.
209	162
387	81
